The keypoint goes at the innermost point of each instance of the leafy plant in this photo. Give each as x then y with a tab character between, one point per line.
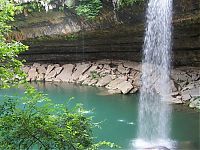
10	72
34	122
95	75
89	8
71	37
123	3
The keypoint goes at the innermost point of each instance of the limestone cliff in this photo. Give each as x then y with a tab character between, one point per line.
58	37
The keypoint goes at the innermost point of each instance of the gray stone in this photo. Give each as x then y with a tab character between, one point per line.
92	82
186	96
49	69
194	92
125	87
136	79
104	81
66	73
122	69
114	91
92	68
26	69
40	77
41	69
107	67
134	90
87	81
174	94
58	70
114	83
79	70
32	74
82	78
176	101
195	103
132	65
51	75
56	65
36	65
179	75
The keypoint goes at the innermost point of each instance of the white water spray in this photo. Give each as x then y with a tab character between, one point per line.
154	113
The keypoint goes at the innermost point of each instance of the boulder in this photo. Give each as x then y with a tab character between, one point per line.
137	79
49	69
179	75
82	78
104	81
186	96
56	65
66	73
195	91
26	69
40	77
132	65
174	94
91	69
122	69
79	70
36	65
176	101
114	83
125	87
58	70
51	75
195	103
32	74
87	81
92	82
107	67
114	91
41	69
174	86
134	90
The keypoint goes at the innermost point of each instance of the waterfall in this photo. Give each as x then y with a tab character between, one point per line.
154	113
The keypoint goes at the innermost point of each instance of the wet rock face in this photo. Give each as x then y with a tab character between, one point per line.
185	81
113	35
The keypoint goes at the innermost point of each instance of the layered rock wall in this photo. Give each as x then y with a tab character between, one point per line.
57	37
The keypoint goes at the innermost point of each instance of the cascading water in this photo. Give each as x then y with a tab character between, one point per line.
154	113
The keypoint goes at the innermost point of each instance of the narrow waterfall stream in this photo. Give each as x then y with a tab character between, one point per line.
154	113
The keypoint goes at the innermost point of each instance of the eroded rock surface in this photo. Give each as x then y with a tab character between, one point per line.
119	77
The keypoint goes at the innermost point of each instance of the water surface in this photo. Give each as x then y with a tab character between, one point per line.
119	114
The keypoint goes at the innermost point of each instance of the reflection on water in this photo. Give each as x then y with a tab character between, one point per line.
118	114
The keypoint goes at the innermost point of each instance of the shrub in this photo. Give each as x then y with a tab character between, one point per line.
34	122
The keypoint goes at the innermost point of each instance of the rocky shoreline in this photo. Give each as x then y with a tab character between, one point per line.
118	77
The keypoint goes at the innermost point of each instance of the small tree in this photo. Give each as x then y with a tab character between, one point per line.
10	72
40	124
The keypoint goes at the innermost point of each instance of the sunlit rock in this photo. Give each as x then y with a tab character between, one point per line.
66	73
32	74
104	81
125	87
79	70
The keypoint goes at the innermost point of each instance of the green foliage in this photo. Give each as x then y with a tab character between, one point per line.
95	75
10	72
34	122
89	8
32	6
123	3
71	37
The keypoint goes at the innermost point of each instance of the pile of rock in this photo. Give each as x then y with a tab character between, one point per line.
187	83
118	77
